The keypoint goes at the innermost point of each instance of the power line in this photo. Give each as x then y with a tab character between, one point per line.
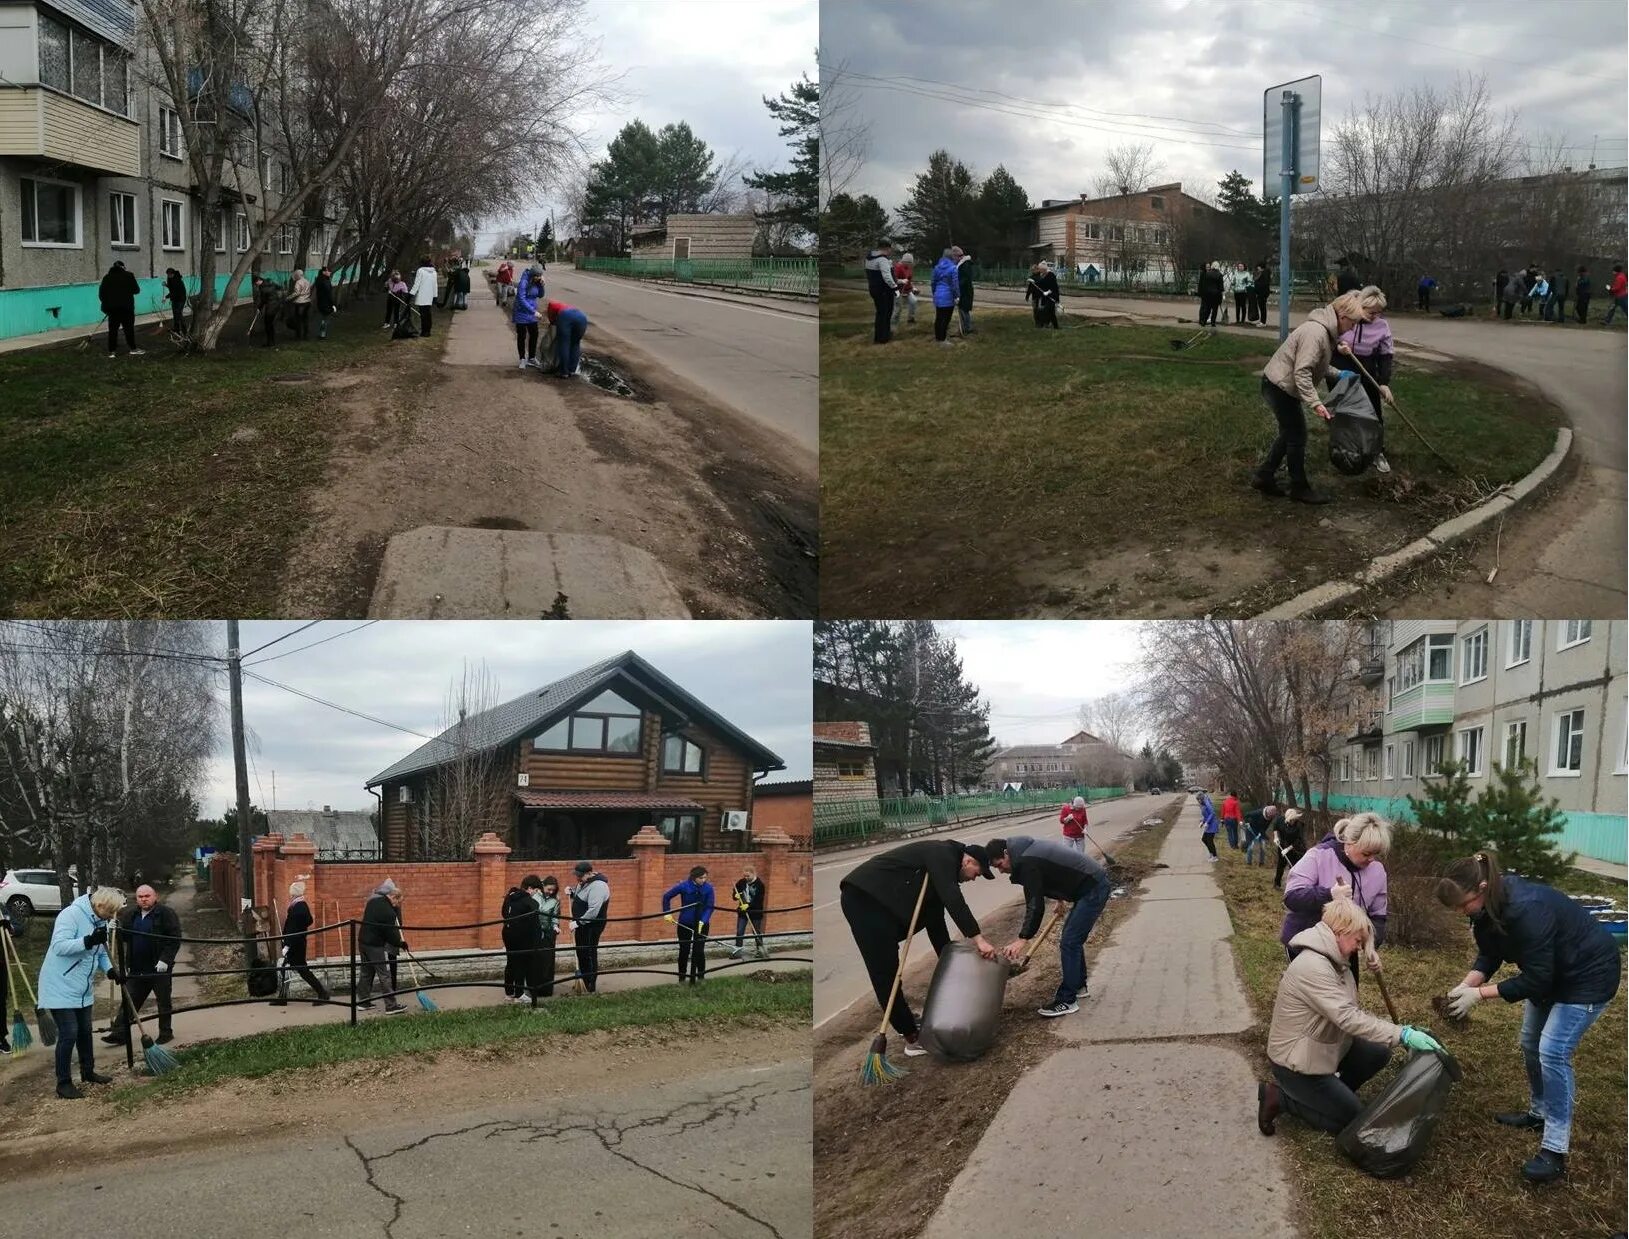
257	662
195	659
53	630
334	705
284	637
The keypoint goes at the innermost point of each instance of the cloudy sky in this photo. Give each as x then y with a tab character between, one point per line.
1036	674
755	674
1056	88
708	62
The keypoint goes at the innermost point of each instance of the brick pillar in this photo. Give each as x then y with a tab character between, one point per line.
650	852
491	881
264	850
788	880
297	862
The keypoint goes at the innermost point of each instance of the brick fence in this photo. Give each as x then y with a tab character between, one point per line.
470	891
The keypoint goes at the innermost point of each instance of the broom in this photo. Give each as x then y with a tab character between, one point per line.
21	1038
877	1069
158	1059
42	1017
425	1001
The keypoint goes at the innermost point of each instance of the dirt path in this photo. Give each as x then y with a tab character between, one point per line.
466	439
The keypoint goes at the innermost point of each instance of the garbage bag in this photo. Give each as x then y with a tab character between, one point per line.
963	1008
1355	432
262	979
1392	1132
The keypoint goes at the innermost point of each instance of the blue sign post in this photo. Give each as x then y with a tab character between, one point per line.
1289	136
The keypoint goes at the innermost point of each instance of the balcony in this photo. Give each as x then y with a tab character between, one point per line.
1372	665
38	122
1369	725
1424	705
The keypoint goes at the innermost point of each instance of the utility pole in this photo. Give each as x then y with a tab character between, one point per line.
240	763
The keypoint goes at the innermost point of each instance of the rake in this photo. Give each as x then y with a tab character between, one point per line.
876	1069
21	1038
92	334
1178	345
1407	420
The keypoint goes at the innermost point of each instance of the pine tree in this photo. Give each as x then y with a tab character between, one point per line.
941	209
1446	807
684	173
1003	208
1516	820
799	189
850	227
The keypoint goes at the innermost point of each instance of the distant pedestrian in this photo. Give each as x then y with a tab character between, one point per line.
1042	288
1262	286
880	282
1539	292
691	918
1287	384
297	922
268	304
1072	817
1530	279
1289	840
1511	293
1426	285
1582	287
503	281
175	292
149	940
570	326
750	895
1346	278
396	298
380	941
1211	288
118	296
540	977
590	903
1500	283
1617	289
1243	288
423	292
945	295
1555	305
1257	824
323	290
13	928
78	951
964	284
1208	825
461	287
1371	343
1230	819
905	289
525	315
299	297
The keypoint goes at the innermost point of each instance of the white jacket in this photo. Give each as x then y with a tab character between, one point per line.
1239	281
424	286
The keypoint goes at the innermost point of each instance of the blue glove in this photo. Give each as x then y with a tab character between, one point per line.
1414	1039
1346	374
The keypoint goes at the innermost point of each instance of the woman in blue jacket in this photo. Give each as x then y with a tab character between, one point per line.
1569	972
695	896
78	951
524	315
947	291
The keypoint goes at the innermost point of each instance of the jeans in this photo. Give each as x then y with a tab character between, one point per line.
1618	303
877	935
1329	1103
882	319
907	303
322	323
692	951
1076	926
1550	1033
376	963
1231	825
1291	444
756	921
569	330
1254	846
1079	844
73	1033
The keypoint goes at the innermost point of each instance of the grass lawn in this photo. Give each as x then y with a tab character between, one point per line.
1094	471
123	490
1469	1182
742	1000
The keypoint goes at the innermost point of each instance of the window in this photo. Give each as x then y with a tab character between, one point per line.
1473	657
265	171
87	68
1094	232
174	230
1408	759
50	213
681	756
221	233
851	769
1117	232
1391	761
1431	753
1346	767
1515	744
1569	743
1157	202
1430	658
122	219
1574	632
54	58
1521	643
285	240
282	177
607	724
683	830
169	132
1441	656
115	82
1468	750
1371	763
243	233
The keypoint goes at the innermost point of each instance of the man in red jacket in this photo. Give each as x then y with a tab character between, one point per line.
905	291
1073	818
505	278
1230	819
1618	290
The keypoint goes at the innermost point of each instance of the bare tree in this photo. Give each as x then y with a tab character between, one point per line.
1114	719
470	785
845	133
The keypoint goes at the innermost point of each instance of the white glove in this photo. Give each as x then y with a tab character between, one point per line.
1461	999
162	966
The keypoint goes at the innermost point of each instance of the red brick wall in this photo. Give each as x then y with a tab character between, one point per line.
856	733
791	815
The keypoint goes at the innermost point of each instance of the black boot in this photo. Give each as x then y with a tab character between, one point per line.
1266	484
68	1092
1268	1107
92	1077
1519	1118
1547	1167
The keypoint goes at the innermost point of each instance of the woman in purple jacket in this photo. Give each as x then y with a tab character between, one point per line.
1345	862
1371	344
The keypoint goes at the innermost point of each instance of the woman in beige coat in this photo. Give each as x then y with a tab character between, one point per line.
1288	382
1323	1046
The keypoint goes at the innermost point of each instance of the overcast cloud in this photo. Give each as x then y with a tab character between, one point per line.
1036	674
1188	76
756	674
708	62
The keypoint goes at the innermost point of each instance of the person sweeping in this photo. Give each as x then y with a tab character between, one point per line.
1046	869
691	918
78	951
1072	817
749	894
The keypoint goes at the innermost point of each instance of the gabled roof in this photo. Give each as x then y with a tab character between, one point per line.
528	714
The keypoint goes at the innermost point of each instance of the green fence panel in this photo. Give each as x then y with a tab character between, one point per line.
1304	284
1600	836
781	275
861	821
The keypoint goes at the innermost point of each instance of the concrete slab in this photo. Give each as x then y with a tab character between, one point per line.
1156	1141
1160	987
1167	885
1176	920
443	572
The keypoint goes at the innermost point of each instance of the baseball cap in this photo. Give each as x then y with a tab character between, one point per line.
978	853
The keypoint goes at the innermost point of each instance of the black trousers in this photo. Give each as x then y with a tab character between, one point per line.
1208	306
1046	313
1241	307
588	952
526	340
1330	1102
1425	298
178	310
540	969
302	320
1291	444
269	317
517	962
123	317
137	987
1280	864
1260	295
882	330
393	309
877	933
424	320
1582	313
298	966
1210	844
941	321
692	951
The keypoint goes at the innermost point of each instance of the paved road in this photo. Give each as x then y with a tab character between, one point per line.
840	976
759	358
720	1153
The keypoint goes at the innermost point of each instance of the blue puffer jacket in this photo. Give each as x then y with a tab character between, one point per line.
947	285
1565	954
68	972
695	900
527	297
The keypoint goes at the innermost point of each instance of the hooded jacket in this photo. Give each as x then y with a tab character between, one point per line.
175	289
381	926
1372	345
1304	357
1207	815
1047	869
68	971
1565	954
118	290
1074	821
522	926
752	894
1311	882
1257	822
591	899
300	293
696	902
894	879
1618	284
946	283
324	290
964	278
879	275
527	293
1316	1015
297	922
424	286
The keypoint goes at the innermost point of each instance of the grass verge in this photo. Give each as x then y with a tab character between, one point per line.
171	484
746	1001
1095	471
1471	1170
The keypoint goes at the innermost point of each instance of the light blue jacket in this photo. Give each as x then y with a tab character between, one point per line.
947	284
68	972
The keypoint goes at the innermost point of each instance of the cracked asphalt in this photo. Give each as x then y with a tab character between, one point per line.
720	1152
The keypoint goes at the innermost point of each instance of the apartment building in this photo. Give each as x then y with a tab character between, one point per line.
1491	693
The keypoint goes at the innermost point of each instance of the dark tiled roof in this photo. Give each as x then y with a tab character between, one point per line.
797	787
534	799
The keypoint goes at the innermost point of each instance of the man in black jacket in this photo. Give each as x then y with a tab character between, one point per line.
880	283
118	296
379	941
175	291
749	911
297	922
1047	869
1210	296
324	290
1261	288
149	938
522	938
1582	290
879	896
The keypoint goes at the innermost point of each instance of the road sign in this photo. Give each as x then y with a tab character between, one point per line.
1310	90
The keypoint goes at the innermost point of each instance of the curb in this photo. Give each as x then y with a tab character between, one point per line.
742	296
1444	535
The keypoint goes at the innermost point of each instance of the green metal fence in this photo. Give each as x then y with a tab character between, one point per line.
1304	284
799	276
867	821
1600	836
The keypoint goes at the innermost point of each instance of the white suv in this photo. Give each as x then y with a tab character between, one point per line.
25	892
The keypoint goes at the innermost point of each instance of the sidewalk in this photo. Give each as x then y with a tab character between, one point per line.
1137	1126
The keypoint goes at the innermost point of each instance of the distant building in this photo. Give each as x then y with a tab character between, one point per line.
1142	236
787	806
1079	759
697	236
340	834
845	764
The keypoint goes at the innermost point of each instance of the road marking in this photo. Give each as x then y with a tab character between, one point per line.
750	309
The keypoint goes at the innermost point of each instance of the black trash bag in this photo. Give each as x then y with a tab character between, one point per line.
1355	432
963	1009
405	330
1392	1132
262	977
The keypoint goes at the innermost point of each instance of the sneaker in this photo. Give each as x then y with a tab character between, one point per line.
1214	859
1520	1118
1058	1008
523	364
942	344
365	1006
111	356
5	1047
397	1009
138	352
1268	1107
1381	464
113	1039
1546	1167
912	1049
